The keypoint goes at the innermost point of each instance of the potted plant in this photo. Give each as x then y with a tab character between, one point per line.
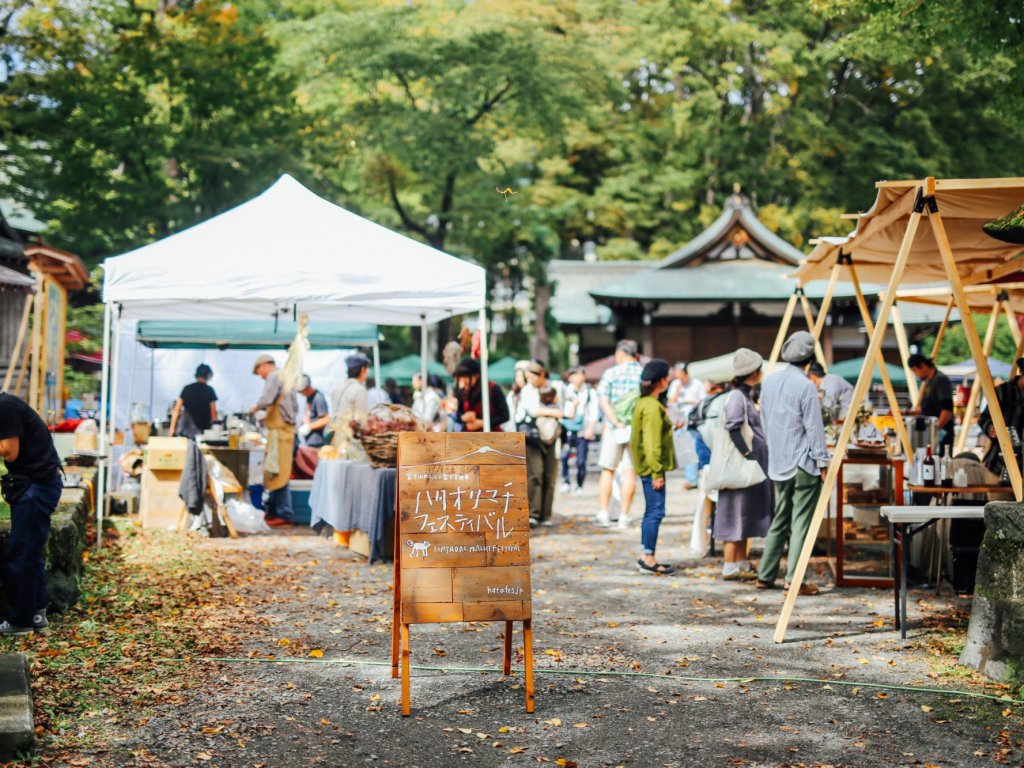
1009	228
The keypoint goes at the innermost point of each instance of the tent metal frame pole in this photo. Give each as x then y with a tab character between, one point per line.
972	400
104	448
787	318
115	363
904	346
485	383
376	363
971	332
879	361
423	353
860	390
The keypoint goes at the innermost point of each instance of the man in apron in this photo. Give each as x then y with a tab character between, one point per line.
279	419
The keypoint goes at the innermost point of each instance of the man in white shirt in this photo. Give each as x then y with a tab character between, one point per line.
375	395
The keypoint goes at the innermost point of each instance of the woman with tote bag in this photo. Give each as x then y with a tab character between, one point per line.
745	495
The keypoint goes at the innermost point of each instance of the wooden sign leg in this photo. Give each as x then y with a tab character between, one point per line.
396	613
528	662
405	670
507	667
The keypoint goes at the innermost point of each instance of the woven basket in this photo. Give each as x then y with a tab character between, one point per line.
382	449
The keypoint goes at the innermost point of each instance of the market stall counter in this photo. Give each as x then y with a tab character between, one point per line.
353	496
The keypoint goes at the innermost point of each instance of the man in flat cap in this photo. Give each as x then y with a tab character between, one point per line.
350	401
791	414
280	409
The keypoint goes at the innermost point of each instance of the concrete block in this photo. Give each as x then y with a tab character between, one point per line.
17	734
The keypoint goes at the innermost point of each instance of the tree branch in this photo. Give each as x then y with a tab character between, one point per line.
407	220
405	86
489	103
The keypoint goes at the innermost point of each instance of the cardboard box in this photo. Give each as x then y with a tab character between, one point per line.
160	506
165	453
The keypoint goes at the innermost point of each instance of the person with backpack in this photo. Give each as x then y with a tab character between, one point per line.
618	391
580	415
538	414
653	453
684	394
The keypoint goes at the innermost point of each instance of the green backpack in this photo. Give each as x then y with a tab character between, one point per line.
625	406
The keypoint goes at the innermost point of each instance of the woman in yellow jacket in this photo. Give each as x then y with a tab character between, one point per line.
653	455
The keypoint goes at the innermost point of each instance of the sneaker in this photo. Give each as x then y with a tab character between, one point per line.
547	523
39	621
579	492
534	522
6	628
566	488
624	522
602	520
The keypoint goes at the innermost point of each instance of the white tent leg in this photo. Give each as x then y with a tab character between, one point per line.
376	362
485	384
423	352
101	481
115	363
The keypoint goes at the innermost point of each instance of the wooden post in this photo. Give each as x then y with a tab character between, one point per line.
904	345
809	319
507	665
942	328
22	330
1014	370
396	614
826	302
405	670
859	392
890	393
972	400
36	350
1011	320
988	387
528	663
787	318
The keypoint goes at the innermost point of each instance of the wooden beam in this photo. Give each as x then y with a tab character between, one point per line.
809	319
826	302
19	340
1011	321
787	318
988	387
890	392
860	391
1017	355
949	185
1015	264
972	400
904	346
942	328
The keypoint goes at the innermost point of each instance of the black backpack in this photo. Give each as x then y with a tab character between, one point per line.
698	415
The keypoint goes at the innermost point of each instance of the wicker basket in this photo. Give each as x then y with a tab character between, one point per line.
382	449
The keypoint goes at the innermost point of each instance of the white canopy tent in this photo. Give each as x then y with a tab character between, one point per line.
284	253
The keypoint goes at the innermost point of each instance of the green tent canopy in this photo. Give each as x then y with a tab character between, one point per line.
502	371
250	334
402	369
850	370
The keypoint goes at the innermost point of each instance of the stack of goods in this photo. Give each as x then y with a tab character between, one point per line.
378	432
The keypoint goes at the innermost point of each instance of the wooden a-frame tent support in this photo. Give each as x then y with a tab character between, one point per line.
819	324
924	204
999	294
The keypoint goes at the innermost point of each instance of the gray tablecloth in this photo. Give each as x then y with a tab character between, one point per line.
349	496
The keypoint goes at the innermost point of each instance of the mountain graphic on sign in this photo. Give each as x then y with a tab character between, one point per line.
481	450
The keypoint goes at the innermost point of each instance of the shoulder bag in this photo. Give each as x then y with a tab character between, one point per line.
728	469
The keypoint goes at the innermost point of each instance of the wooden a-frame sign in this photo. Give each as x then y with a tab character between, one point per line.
462	540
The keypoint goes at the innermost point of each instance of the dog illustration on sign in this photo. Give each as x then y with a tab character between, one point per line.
418	548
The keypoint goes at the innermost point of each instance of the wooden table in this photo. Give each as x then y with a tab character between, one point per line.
939	490
901	533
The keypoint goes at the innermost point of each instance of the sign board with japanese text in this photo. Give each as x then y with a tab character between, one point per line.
462	535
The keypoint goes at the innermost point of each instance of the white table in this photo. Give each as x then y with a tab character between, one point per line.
904	523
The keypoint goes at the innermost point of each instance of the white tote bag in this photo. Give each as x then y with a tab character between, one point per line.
728	469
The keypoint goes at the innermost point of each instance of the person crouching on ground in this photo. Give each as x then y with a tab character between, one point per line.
653	455
791	414
743	513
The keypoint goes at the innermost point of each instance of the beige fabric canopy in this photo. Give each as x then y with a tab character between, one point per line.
965	204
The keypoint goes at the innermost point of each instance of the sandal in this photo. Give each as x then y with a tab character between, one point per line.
658	569
765	584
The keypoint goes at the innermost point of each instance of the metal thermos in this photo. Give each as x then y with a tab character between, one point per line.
923	431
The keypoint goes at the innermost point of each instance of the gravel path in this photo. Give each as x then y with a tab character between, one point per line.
595	618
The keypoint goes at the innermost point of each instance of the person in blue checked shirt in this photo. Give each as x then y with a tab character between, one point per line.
618	382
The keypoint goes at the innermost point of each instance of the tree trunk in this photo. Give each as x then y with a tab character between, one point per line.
540	344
